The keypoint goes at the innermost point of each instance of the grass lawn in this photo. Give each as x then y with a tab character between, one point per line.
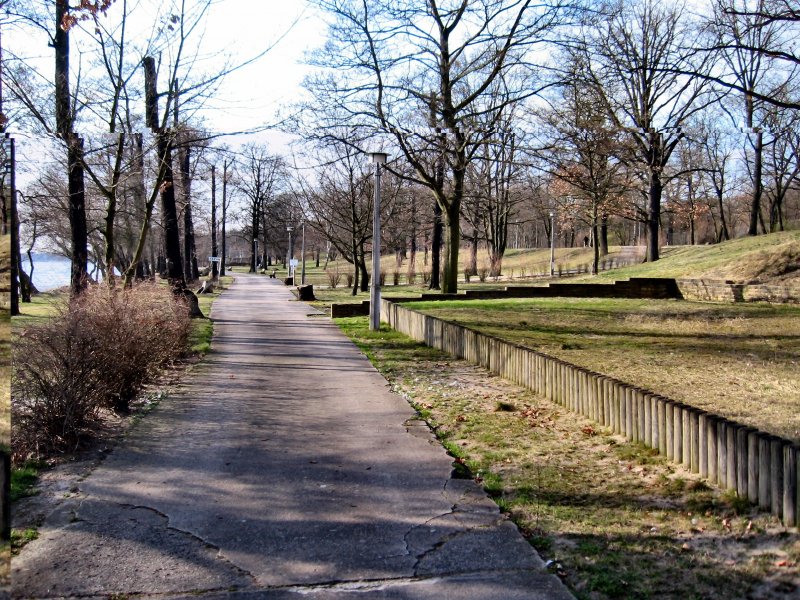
740	361
616	520
748	259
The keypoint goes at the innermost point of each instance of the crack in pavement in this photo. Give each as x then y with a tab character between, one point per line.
209	545
97	547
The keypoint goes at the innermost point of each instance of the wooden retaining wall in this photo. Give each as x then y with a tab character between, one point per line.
756	465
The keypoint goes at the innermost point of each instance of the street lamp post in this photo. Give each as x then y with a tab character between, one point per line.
303	253
378	158
289	254
552	242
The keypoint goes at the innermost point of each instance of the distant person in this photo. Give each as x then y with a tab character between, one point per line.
586	241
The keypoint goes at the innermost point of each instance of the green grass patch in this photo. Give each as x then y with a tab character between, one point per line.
39	309
203	329
20	537
746	259
23	481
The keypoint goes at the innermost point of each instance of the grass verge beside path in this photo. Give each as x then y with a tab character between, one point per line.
740	361
614	520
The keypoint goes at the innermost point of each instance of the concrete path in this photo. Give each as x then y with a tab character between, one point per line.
283	469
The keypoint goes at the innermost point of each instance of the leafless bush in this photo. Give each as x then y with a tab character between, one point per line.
467	274
496	267
482	273
426	277
395	277
350	277
381	279
96	353
411	273
334	276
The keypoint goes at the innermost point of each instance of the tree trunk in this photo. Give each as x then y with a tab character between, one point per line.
64	128
190	269
362	266
77	215
169	216
653	216
603	238
356	271
436	245
453	231
724	235
472	264
755	203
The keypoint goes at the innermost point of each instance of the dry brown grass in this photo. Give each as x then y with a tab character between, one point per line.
739	361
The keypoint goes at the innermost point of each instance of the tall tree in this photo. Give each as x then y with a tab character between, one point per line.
642	62
579	144
262	176
340	204
420	74
746	38
65	121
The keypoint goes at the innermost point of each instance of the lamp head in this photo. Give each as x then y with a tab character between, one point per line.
378	158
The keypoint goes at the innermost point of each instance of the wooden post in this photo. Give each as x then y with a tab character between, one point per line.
702	444
686	435
730	453
677	433
669	438
790	485
712	422
648	419
628	413
753	459
641	402
694	440
722	452
742	461
776	476
765	471
661	404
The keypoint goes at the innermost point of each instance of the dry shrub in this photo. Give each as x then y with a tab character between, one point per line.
411	274
395	277
96	353
334	276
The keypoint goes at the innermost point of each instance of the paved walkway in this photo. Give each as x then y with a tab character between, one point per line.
284	469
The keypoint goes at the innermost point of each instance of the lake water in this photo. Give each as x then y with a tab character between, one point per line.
50	271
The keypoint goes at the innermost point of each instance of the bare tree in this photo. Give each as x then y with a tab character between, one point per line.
421	73
340	203
745	39
262	177
641	61
782	162
580	144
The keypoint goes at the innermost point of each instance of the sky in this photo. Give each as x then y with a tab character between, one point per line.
254	94
236	30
